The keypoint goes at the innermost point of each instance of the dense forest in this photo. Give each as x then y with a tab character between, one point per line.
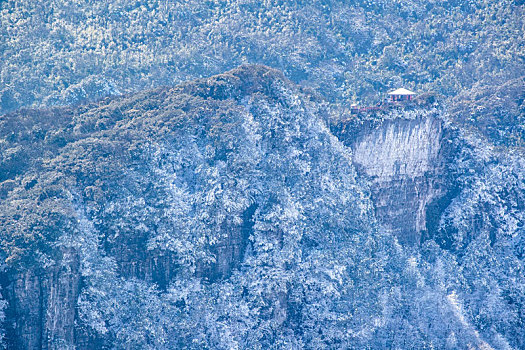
189	175
471	52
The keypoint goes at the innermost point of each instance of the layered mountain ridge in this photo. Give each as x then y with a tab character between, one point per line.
62	52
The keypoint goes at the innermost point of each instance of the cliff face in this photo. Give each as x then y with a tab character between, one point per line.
42	307
403	158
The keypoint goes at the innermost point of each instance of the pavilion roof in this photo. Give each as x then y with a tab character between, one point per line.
402	91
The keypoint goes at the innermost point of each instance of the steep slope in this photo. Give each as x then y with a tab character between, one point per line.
163	188
458	204
403	157
222	213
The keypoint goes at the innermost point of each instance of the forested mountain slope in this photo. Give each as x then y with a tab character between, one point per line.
471	52
223	213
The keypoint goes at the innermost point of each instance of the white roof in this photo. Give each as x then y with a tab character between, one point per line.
401	91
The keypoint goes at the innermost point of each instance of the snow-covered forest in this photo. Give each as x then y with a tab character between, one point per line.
153	198
64	52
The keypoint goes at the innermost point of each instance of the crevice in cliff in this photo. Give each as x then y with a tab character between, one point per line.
230	252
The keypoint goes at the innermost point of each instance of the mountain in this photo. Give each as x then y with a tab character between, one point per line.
147	208
62	52
224	213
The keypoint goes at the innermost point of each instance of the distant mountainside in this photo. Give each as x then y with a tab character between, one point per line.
223	213
471	52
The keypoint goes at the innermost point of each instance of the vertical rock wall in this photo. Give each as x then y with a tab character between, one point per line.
42	304
43	307
402	159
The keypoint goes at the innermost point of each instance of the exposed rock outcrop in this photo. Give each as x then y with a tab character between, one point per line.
403	158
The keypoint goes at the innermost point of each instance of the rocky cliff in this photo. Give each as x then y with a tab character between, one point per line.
403	156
